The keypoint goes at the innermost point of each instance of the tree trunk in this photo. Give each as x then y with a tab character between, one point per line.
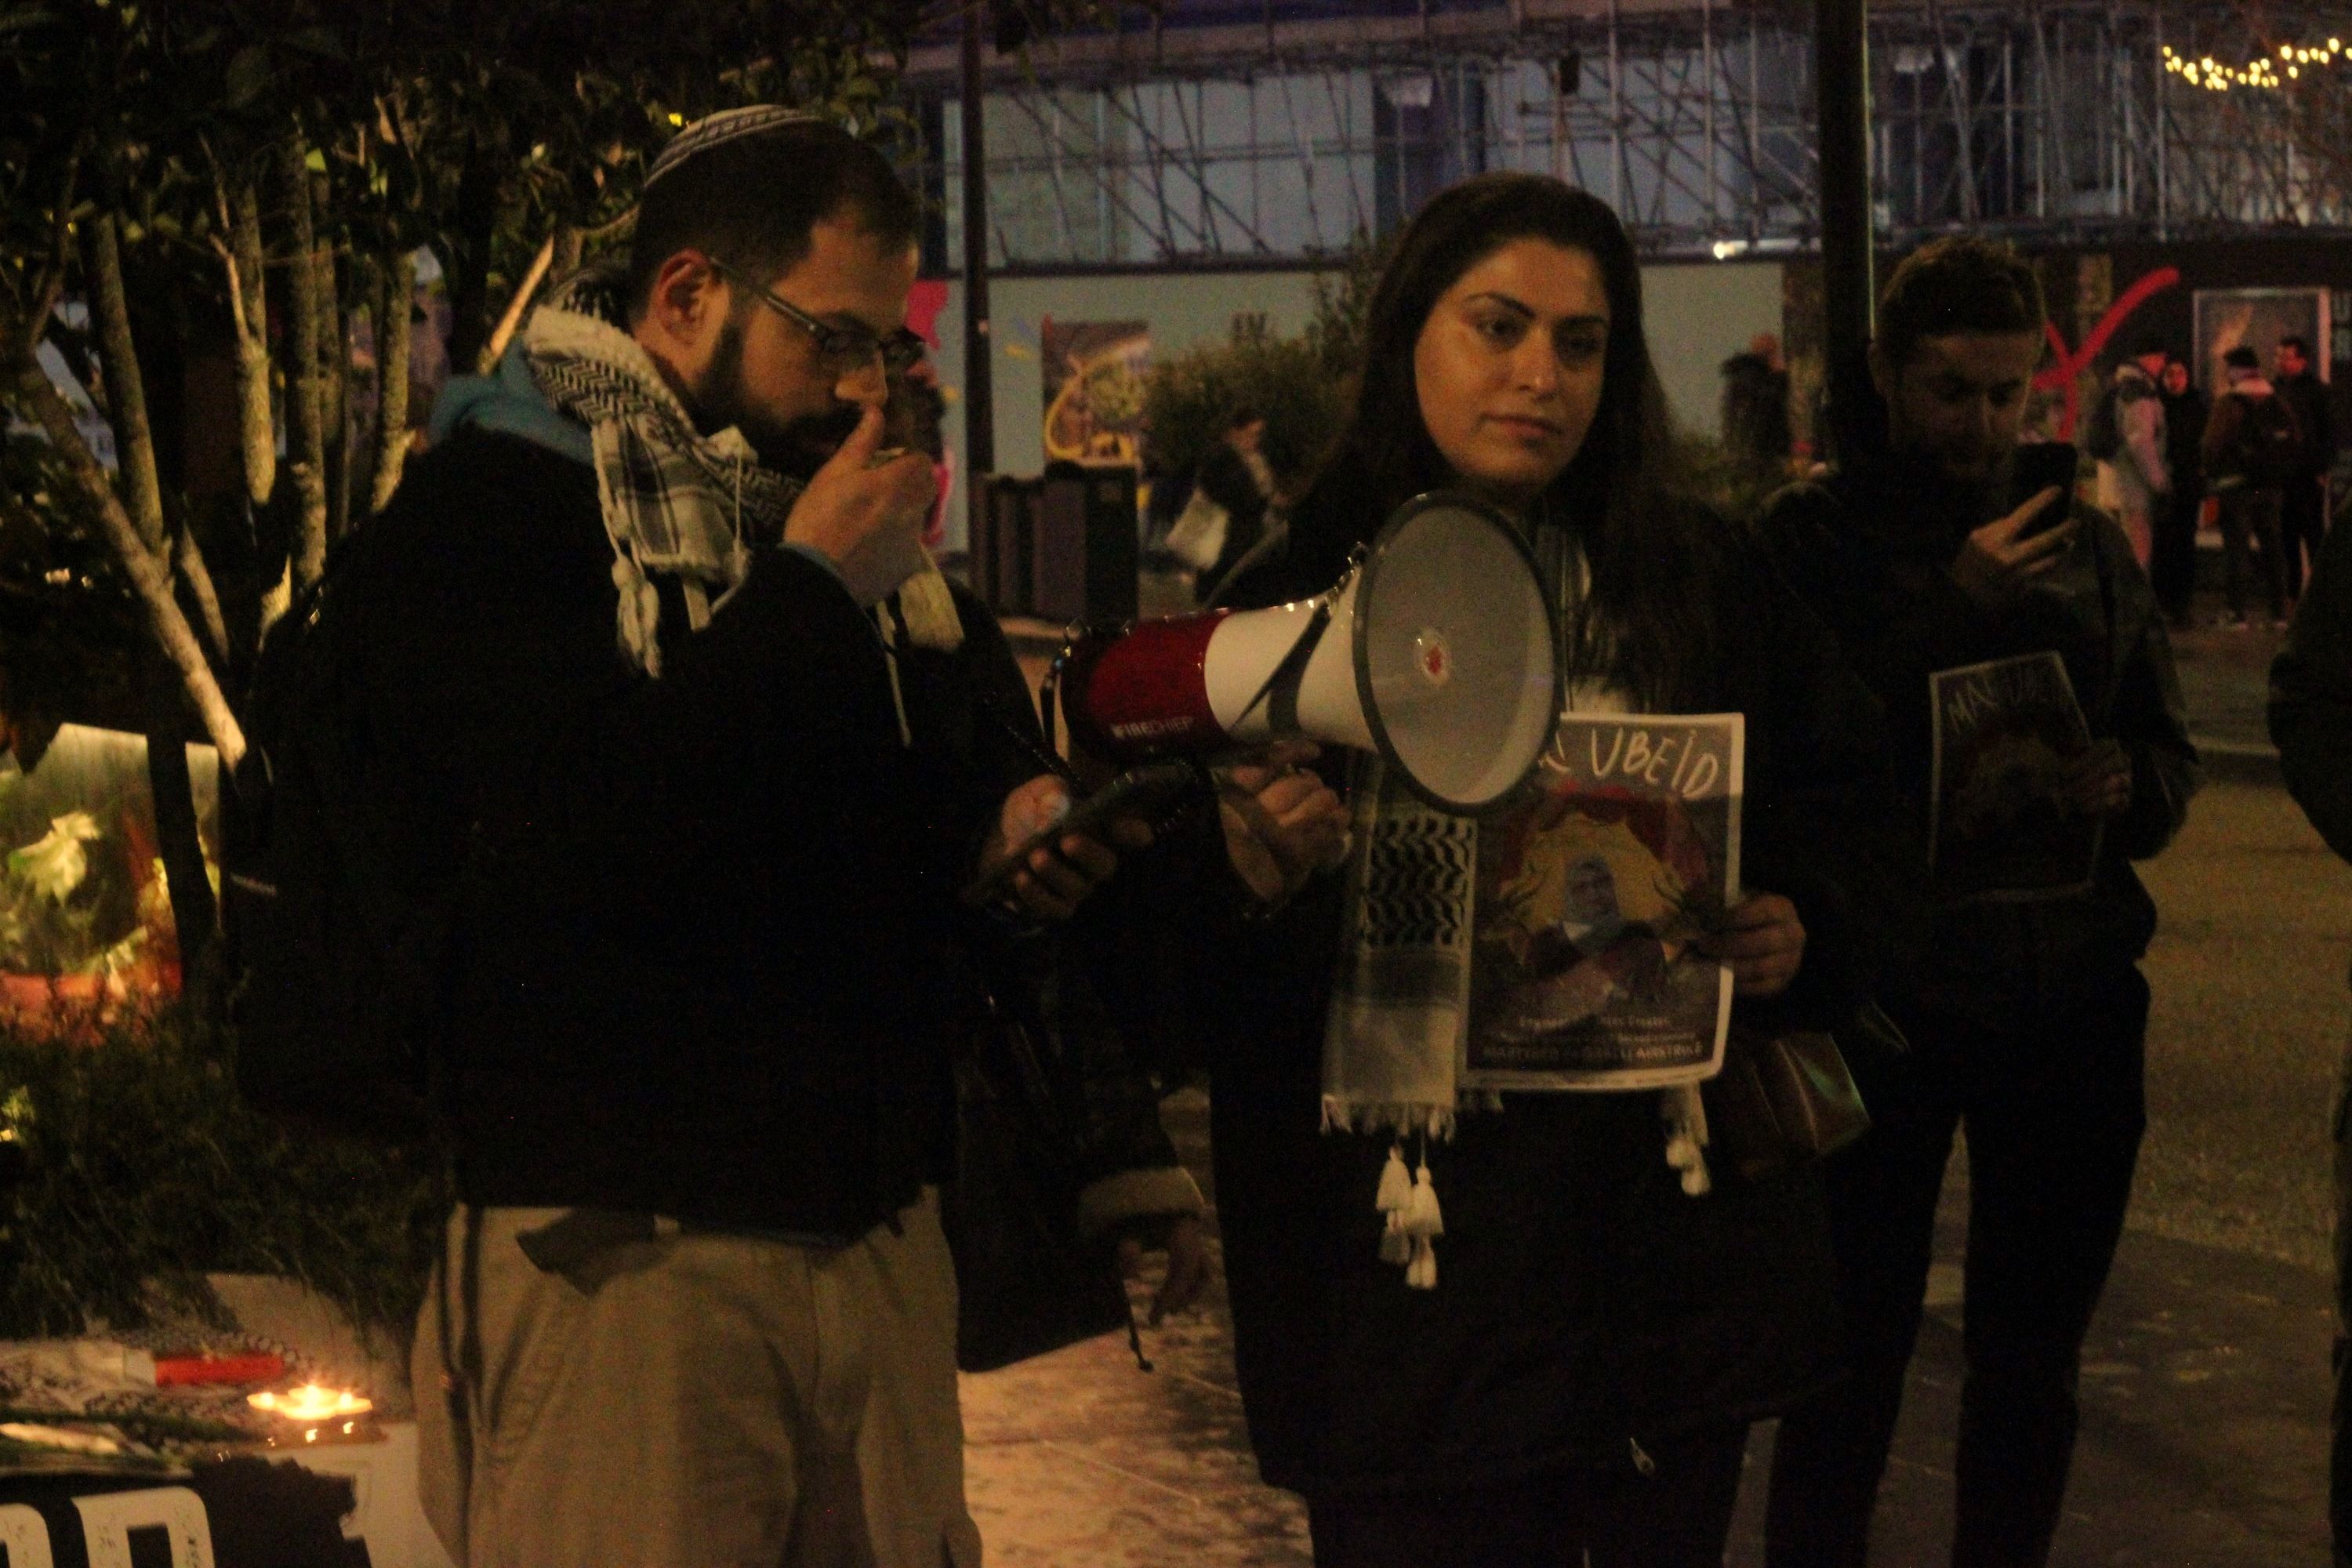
335	394
394	307
149	577
334	367
195	914
512	317
278	598
249	304
126	388
307	445
193	571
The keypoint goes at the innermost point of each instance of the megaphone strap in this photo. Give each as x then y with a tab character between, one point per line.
1281	684
1042	755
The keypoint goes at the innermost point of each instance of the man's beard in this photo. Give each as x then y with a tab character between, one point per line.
795	448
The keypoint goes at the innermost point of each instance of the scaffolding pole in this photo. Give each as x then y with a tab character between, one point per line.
1705	152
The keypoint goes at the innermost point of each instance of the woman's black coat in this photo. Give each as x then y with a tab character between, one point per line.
1586	1308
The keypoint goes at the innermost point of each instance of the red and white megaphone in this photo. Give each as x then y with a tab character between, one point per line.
1438	651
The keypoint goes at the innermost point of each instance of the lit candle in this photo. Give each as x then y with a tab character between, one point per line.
311	1402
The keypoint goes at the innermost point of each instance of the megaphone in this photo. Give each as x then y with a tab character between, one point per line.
1438	651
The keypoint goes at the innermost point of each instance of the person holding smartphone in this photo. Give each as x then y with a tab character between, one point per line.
1947	545
681	747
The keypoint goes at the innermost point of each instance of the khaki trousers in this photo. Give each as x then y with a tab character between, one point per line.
693	1398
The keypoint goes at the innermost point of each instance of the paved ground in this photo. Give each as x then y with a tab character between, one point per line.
2204	1381
2225	675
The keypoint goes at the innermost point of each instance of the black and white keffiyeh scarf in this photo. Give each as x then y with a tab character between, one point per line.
1395	1035
676	503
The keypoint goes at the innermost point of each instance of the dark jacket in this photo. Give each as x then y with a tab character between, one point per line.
2184	435
2228	460
971	716
707	958
2305	396
1869	548
2311	697
697	964
1585	1307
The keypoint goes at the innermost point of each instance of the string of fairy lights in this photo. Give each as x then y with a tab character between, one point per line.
2263	72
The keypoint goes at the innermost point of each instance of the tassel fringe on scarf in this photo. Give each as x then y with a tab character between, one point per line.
1393	1042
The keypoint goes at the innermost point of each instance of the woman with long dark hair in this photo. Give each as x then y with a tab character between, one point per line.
1610	1316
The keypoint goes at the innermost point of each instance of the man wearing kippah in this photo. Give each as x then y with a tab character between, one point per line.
650	628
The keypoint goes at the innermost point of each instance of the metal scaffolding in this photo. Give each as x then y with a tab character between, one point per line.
1265	132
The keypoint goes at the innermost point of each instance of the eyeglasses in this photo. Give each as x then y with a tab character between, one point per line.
845	348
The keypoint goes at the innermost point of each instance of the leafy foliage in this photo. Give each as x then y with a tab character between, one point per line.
142	1170
1189	399
1301	385
489	133
1342	300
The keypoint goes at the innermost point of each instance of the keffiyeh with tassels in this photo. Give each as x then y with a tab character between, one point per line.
1394	1041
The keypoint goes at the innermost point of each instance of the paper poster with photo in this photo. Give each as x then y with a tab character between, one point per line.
2000	825
1594	888
1093	380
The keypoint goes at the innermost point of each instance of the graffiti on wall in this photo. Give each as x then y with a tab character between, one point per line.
1093	382
2062	376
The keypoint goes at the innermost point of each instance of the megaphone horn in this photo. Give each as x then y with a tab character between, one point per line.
1438	651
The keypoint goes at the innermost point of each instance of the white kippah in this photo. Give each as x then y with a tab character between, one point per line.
727	125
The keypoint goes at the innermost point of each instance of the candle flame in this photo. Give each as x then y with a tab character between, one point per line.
310	1402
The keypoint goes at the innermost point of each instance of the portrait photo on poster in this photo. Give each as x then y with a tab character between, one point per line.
2000	825
1594	883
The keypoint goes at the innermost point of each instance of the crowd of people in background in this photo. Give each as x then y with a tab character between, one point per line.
2259	451
2250	464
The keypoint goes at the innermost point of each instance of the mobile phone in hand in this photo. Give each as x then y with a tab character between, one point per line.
1141	791
2037	467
